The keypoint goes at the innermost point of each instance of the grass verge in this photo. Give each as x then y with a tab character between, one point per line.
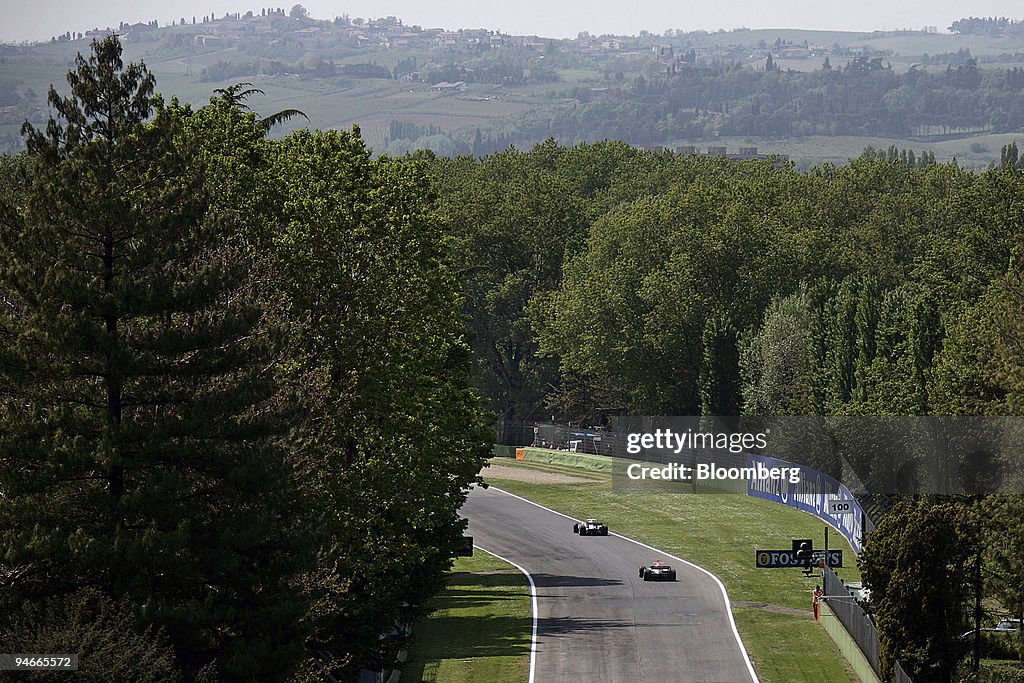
479	630
786	647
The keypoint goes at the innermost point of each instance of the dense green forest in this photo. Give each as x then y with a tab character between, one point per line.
602	275
234	389
240	376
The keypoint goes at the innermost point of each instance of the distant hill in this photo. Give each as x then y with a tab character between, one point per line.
473	91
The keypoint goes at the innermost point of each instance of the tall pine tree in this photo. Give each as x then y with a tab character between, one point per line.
142	449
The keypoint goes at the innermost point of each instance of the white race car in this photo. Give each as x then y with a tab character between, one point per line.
590	527
659	571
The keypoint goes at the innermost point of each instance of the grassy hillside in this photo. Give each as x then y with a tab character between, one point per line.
302	64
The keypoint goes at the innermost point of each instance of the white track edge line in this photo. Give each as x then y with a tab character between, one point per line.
533	600
721	586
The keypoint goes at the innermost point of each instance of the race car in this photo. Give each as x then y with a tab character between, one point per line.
590	527
659	571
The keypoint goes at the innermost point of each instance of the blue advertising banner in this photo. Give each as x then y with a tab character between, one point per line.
812	493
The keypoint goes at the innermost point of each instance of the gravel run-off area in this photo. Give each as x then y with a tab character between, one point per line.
531	476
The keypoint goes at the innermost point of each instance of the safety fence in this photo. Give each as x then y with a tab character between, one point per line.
853	618
858	624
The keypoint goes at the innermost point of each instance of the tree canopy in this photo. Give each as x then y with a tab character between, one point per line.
233	386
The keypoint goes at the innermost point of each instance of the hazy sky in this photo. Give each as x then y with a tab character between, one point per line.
40	19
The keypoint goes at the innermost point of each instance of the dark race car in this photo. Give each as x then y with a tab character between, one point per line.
659	571
590	527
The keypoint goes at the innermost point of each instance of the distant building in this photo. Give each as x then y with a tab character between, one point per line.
207	40
446	87
662	51
447	39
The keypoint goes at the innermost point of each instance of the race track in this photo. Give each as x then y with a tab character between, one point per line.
597	620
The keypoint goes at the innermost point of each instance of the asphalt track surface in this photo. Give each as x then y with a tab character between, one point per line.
596	619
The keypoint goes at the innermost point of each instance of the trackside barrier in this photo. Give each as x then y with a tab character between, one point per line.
852	617
847	646
858	624
812	495
585	461
502	451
